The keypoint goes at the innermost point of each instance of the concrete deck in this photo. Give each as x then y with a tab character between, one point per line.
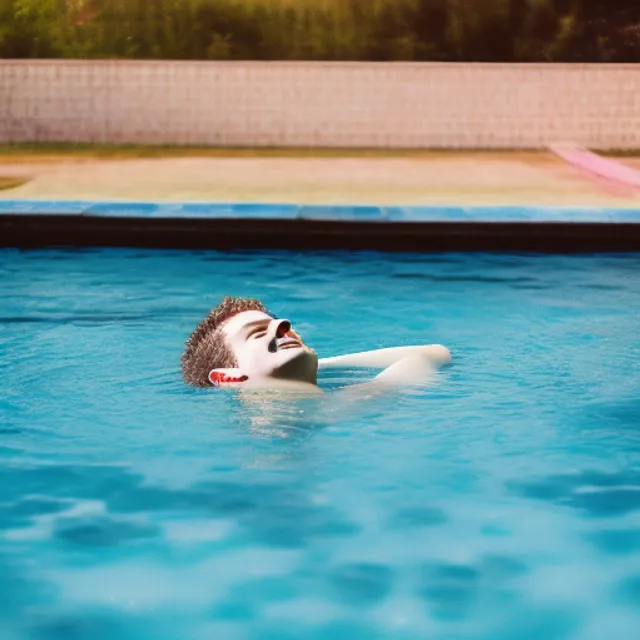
458	179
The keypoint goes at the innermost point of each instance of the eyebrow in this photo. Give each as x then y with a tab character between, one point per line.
255	323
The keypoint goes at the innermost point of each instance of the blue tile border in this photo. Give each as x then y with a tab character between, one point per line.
336	213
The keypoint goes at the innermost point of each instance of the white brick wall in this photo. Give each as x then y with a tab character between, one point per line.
396	105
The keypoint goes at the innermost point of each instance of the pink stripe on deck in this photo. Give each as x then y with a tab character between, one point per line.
597	166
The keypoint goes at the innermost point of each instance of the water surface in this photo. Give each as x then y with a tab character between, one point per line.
501	502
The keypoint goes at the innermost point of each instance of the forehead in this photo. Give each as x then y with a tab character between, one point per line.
239	321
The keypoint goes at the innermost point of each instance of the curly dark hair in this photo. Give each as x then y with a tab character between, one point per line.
206	348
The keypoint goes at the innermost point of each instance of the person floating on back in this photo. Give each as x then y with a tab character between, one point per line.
241	344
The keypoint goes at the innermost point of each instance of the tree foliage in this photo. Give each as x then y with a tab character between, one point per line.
440	30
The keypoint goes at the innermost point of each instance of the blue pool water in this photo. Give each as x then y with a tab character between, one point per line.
502	502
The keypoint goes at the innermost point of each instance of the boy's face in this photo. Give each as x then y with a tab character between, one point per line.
267	347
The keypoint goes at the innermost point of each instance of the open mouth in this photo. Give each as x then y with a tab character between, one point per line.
287	343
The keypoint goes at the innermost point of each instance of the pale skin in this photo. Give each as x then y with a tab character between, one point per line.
271	355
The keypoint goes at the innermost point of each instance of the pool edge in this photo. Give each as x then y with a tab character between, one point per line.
29	230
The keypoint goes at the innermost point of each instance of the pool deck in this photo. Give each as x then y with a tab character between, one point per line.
414	201
418	178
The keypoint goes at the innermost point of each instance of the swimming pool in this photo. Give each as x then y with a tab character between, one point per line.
501	502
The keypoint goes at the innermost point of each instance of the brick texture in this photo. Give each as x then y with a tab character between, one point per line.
386	105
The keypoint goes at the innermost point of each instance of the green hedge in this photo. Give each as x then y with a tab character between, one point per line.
441	30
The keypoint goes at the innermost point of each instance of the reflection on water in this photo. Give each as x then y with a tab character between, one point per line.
344	397
284	415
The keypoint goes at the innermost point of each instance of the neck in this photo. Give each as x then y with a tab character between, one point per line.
301	370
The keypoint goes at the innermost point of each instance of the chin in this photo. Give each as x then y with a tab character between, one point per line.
299	364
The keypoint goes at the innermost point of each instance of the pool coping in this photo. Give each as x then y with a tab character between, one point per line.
343	212
240	225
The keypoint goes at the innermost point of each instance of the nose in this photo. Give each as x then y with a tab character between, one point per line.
284	326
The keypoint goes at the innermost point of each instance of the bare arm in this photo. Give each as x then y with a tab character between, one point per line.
382	358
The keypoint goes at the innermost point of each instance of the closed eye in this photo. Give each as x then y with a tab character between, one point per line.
257	332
